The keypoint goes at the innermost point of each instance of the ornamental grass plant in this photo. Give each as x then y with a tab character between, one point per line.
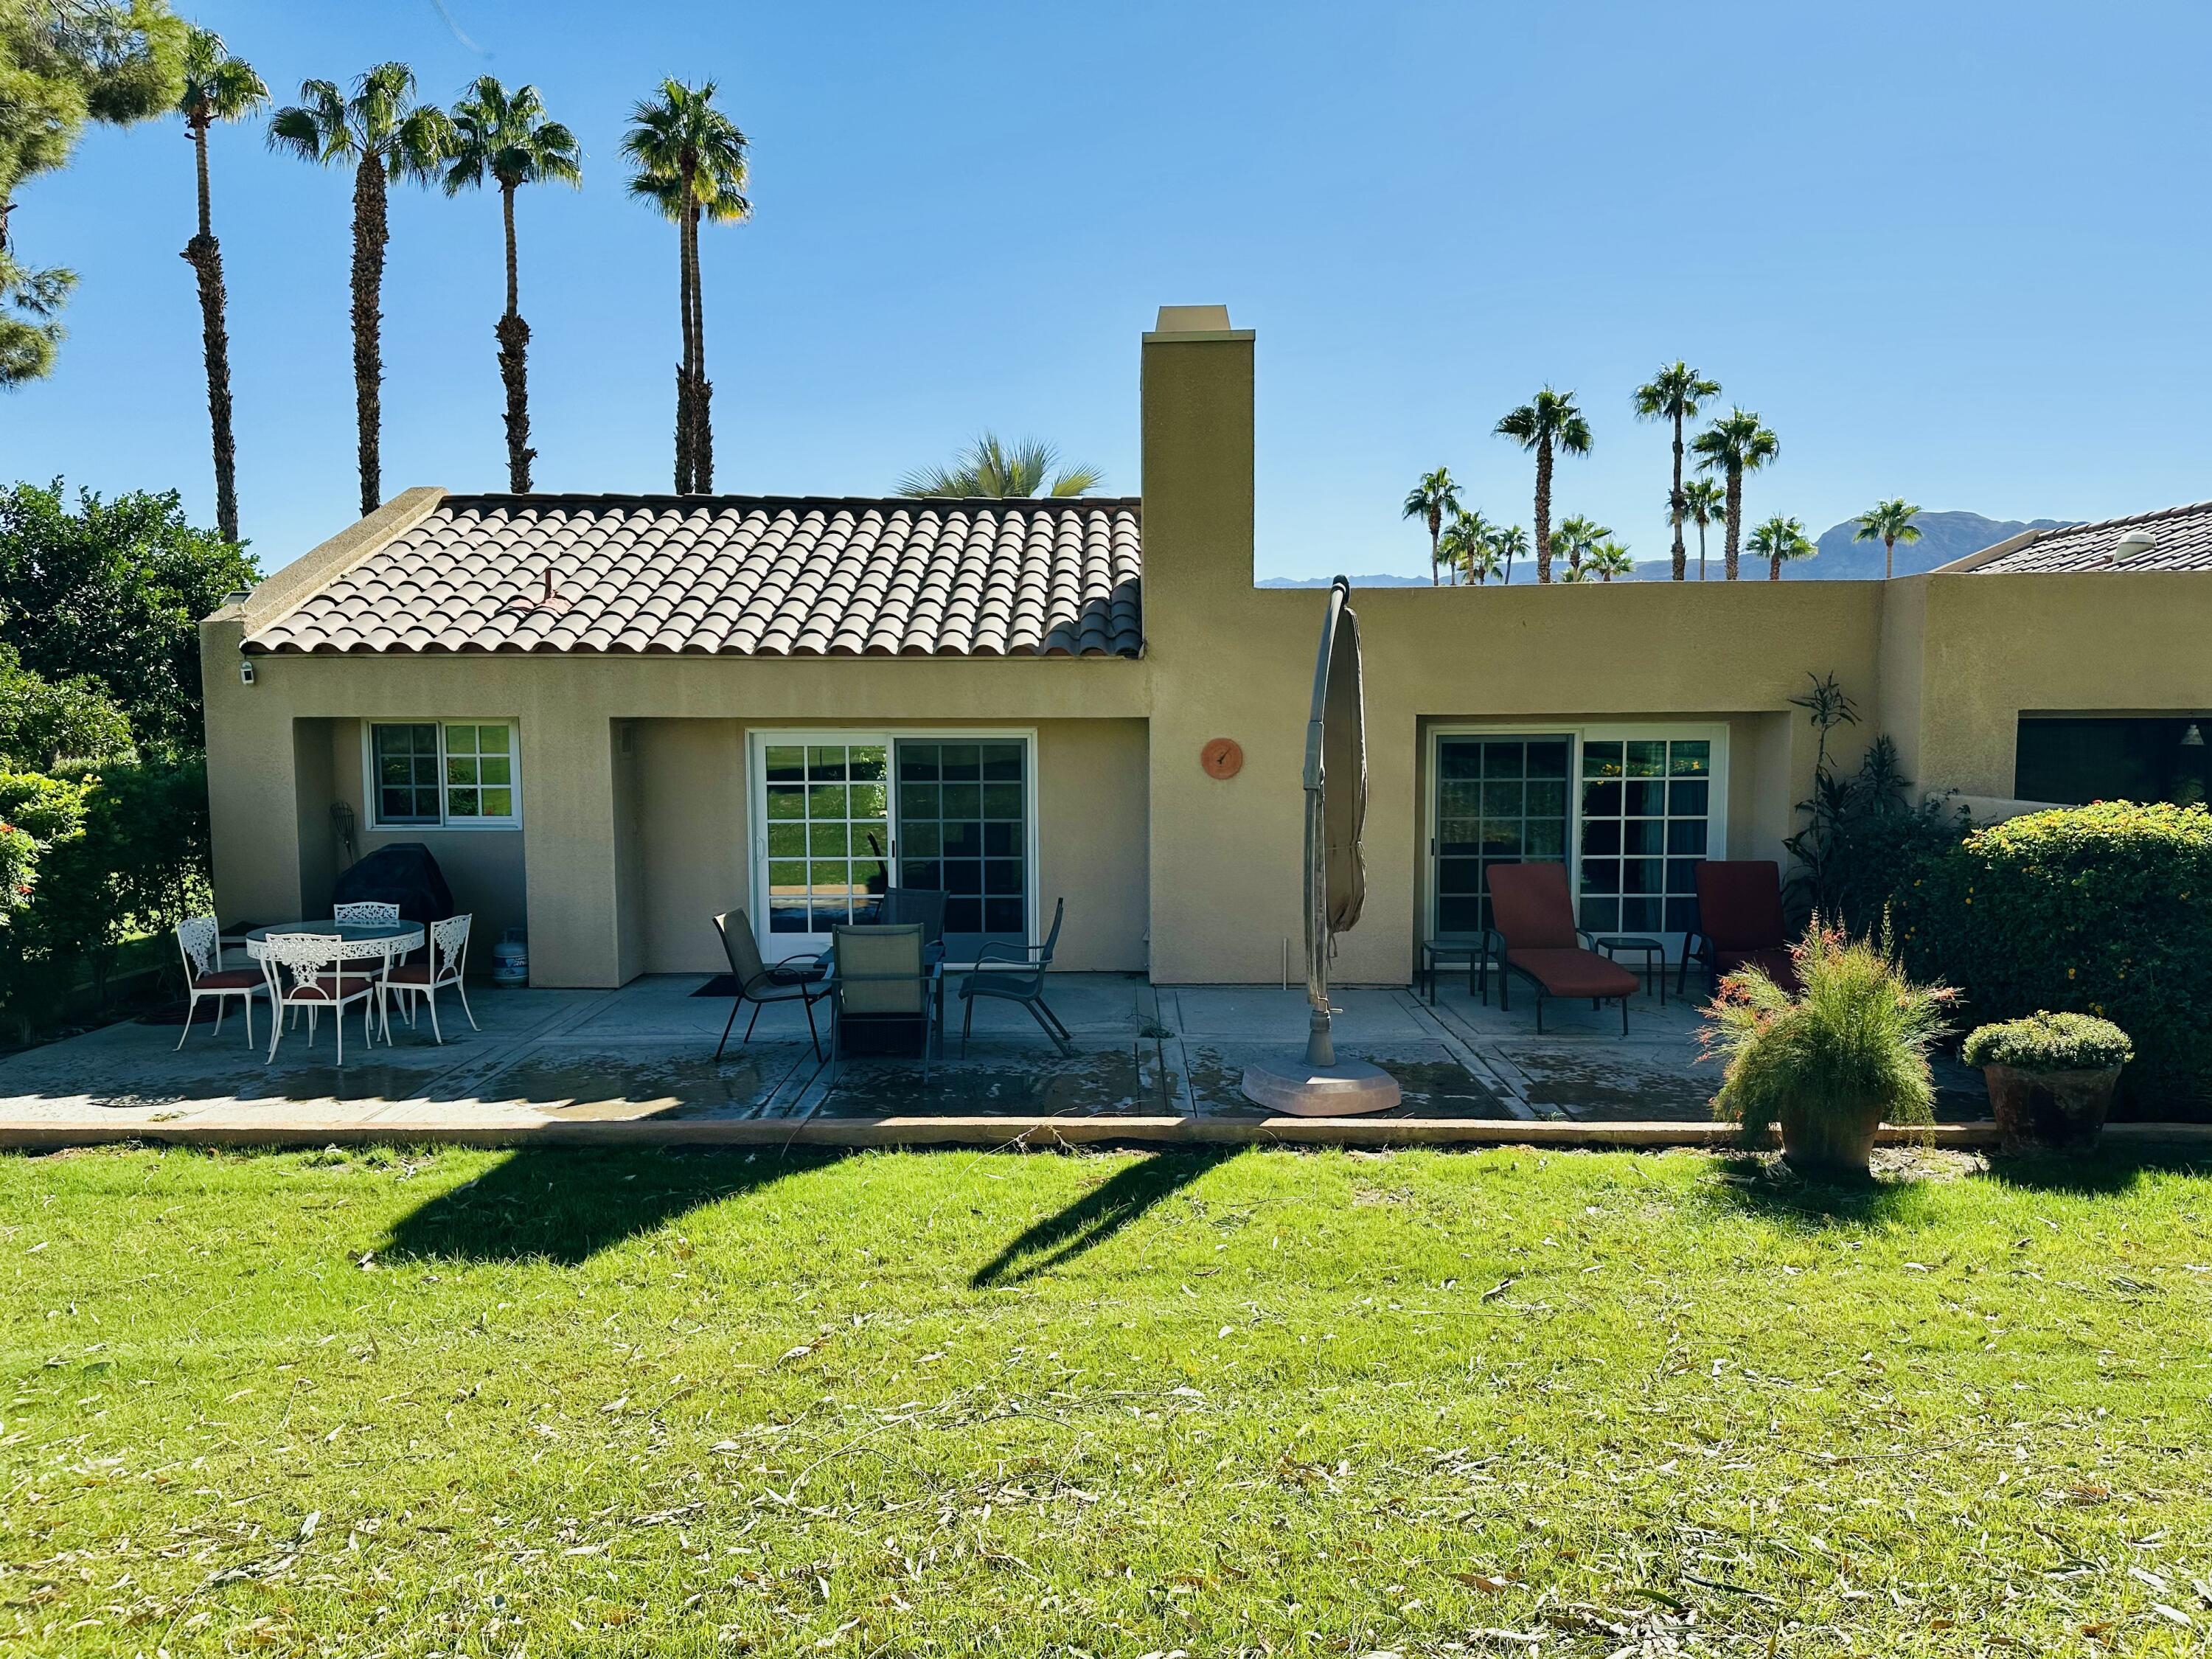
1847	1049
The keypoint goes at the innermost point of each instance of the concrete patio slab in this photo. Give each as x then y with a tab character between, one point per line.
636	1066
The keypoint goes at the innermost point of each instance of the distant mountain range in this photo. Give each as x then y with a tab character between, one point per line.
1944	537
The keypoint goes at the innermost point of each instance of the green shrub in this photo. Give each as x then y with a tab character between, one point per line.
1857	1034
2044	1042
2103	909
91	863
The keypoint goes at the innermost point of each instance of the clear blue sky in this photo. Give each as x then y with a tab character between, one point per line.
1957	251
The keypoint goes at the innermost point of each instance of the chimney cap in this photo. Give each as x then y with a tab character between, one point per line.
1192	319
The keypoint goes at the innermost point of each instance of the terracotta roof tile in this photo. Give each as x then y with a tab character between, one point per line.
2174	538
745	576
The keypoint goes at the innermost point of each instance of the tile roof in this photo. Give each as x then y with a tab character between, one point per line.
2181	540
751	576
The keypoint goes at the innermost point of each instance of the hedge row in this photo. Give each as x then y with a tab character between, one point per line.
2103	909
89	859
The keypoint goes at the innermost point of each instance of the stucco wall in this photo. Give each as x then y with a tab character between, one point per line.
628	852
483	867
693	832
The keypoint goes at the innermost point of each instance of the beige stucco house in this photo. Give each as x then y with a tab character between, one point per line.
611	717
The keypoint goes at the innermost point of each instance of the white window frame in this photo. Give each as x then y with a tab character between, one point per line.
758	743
372	797
1713	732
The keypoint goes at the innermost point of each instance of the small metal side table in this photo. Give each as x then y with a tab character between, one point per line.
1437	953
1655	957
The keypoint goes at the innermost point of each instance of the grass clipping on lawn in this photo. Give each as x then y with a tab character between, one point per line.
547	1402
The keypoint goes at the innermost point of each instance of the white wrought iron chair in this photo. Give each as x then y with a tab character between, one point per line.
372	910
199	942
448	955
377	913
306	971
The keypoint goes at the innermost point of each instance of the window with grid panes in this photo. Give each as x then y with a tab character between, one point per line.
450	774
1499	800
828	808
1646	810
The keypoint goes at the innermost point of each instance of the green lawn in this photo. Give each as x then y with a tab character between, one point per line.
546	1403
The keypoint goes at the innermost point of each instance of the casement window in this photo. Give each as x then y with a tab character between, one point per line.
452	775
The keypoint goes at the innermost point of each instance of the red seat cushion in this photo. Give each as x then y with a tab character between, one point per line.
1573	973
412	973
230	979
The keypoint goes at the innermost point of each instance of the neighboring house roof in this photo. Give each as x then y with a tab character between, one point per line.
753	575
2174	538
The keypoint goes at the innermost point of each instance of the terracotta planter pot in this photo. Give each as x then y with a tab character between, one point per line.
1826	1143
2050	1111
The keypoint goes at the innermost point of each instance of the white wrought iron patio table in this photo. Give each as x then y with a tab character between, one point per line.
357	941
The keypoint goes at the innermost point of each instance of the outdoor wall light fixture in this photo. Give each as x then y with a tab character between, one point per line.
2192	738
245	671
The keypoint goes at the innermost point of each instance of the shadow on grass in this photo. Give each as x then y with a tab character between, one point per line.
1099	1214
565	1206
2099	1174
1769	1188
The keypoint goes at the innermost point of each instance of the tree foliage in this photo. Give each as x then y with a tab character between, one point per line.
113	590
993	469
62	63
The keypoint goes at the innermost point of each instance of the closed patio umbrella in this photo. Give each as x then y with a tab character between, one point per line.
1335	878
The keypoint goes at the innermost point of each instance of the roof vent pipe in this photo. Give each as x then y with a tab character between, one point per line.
2133	542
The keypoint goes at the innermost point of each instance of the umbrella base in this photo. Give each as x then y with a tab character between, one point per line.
1344	1089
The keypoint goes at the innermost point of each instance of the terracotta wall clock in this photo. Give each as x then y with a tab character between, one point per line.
1222	758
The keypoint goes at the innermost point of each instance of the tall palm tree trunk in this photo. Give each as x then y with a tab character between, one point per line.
683	368
1436	527
1701	552
1888	558
204	255
513	336
371	232
1774	569
702	389
1675	508
1543	511
1733	545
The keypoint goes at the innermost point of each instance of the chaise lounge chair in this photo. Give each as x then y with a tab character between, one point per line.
1739	922
1533	935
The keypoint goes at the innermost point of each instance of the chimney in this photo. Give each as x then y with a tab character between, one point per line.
1196	397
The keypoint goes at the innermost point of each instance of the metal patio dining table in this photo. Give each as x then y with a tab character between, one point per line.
357	941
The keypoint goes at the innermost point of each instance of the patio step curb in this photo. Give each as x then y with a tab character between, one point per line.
999	1132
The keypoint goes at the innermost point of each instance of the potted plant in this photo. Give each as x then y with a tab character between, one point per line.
1830	1062
2051	1077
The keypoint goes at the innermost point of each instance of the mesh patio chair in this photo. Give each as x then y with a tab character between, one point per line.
795	979
306	971
1021	979
882	980
199	943
1532	933
925	905
1739	922
449	954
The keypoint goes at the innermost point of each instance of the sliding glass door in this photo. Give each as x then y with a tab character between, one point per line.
840	819
1630	810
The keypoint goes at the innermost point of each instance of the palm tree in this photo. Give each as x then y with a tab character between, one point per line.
1734	445
691	166
1511	543
217	88
385	138
1429	500
1889	522
505	137
1675	394
1703	504
1577	538
999	471
1466	547
1779	540
1546	424
1610	559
